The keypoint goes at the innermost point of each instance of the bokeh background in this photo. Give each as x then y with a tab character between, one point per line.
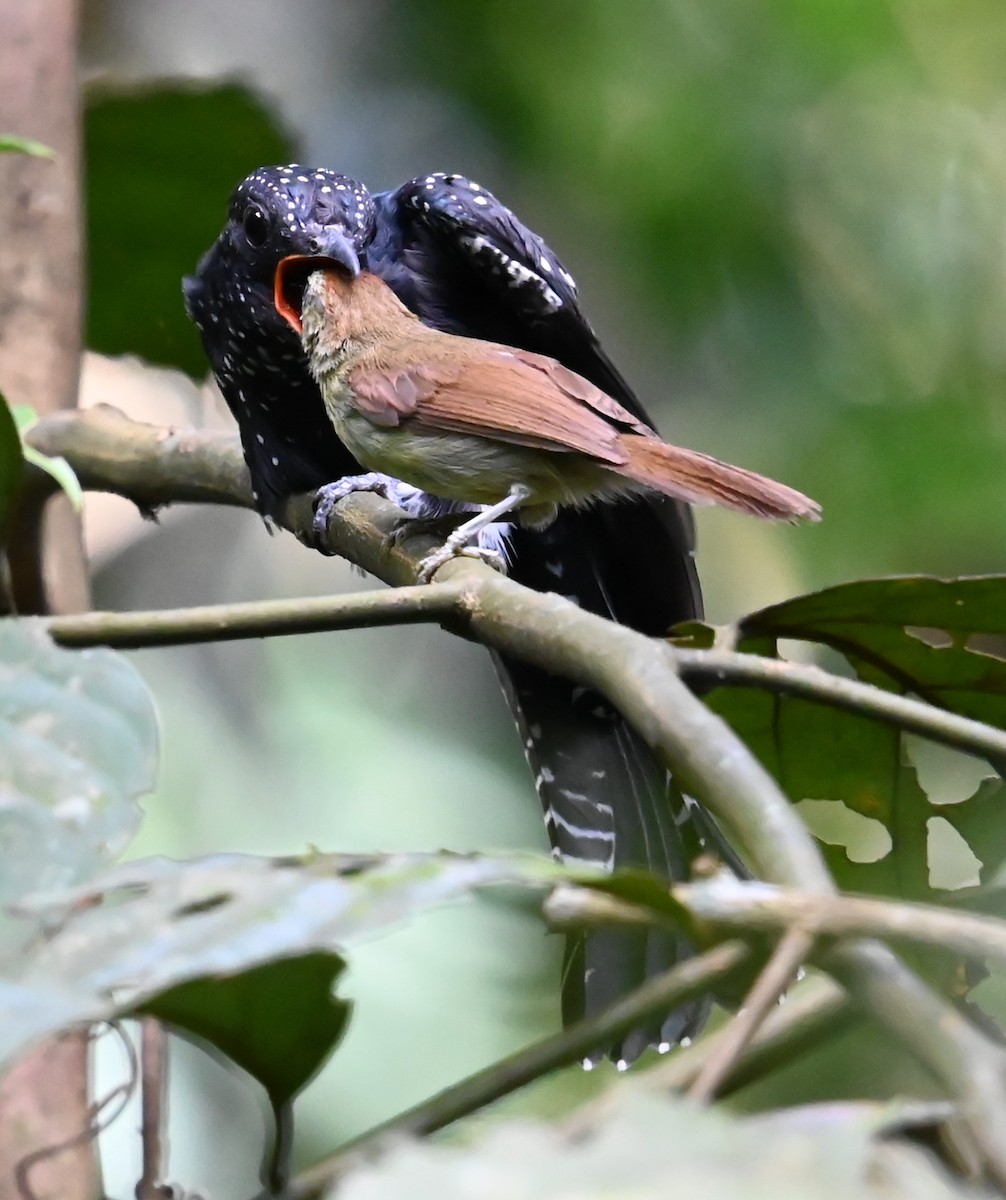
787	222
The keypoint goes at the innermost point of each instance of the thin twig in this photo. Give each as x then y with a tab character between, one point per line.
681	983
729	669
815	1010
791	951
258	618
153	1096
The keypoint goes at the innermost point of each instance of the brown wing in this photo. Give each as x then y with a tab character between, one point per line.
387	396
583	390
494	393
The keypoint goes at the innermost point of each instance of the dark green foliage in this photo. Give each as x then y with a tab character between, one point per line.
161	163
279	1021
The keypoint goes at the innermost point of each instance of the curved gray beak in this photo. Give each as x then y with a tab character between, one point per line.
330	241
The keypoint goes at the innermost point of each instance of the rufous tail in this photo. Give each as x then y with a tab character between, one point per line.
698	479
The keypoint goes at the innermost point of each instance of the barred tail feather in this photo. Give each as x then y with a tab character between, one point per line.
698	479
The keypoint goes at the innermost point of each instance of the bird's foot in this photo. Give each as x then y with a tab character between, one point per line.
408	526
452	549
326	498
489	546
492	538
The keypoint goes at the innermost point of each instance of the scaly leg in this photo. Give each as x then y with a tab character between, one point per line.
458	542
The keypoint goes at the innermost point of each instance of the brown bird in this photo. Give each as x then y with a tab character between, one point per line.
483	423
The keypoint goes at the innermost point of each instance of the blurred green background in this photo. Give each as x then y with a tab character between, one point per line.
787	222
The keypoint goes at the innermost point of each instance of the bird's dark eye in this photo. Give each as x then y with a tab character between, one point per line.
256	225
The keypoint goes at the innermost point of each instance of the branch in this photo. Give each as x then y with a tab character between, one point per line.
153	1104
256	618
814	1010
147	464
724	668
676	986
44	1101
731	905
638	675
792	950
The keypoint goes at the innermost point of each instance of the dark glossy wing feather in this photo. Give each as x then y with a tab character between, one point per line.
462	261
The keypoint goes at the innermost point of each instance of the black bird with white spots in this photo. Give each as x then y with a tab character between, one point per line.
465	264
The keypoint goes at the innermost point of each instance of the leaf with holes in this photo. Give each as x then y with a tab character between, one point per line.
938	638
981	821
819	753
831	757
146	929
943	639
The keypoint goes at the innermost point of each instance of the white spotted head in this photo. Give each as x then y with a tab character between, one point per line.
277	211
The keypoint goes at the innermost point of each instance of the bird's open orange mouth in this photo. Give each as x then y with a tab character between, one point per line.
290	280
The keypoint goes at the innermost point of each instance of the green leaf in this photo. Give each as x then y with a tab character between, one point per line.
78	745
944	639
9	144
11	467
647	1145
279	1021
60	470
821	753
163	924
162	162
980	821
